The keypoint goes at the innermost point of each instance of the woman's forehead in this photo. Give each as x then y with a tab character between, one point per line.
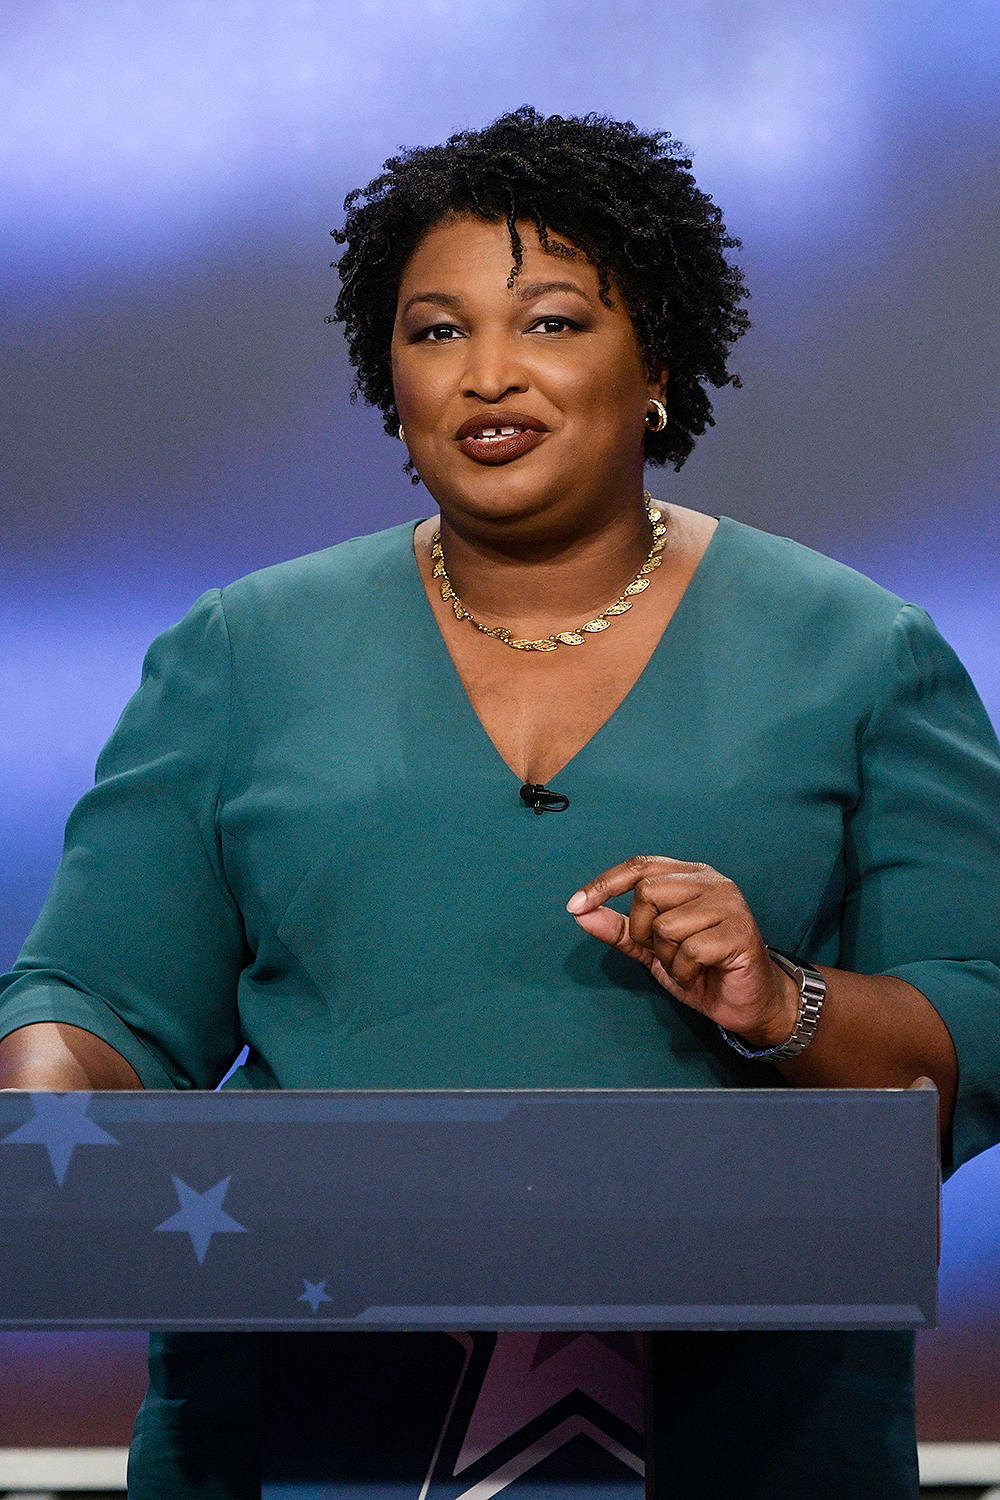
477	253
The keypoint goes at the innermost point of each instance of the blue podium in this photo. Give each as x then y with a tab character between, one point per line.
450	1291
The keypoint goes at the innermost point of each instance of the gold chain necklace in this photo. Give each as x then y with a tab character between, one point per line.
563	637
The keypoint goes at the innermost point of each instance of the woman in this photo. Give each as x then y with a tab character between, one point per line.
370	810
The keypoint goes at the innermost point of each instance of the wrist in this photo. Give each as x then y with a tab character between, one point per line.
782	1016
811	987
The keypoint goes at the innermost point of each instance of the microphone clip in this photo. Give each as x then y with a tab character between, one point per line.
540	799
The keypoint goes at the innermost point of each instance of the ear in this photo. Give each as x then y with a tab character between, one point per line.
657	384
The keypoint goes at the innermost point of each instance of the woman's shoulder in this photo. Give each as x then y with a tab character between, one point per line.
333	578
786	582
784	613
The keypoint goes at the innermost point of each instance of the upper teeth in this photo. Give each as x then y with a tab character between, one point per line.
493	432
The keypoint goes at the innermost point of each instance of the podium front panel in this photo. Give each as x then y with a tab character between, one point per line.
494	1210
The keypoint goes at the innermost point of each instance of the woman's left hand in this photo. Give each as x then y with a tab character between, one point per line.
694	932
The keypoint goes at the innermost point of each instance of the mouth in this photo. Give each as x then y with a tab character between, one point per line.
500	438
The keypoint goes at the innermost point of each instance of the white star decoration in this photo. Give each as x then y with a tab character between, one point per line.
60	1124
201	1215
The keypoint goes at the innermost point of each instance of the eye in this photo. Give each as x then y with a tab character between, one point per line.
553	324
438	333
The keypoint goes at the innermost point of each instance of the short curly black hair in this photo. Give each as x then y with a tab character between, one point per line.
626	199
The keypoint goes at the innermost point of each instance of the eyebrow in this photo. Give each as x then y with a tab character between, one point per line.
539	288
527	293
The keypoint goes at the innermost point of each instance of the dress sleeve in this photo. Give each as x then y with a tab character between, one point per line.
923	860
140	940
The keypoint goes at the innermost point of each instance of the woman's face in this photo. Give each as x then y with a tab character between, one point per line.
472	356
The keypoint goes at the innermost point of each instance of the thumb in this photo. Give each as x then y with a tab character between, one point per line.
612	928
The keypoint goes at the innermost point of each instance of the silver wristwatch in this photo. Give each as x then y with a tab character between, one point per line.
812	989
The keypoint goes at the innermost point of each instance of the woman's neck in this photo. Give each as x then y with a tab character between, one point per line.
533	582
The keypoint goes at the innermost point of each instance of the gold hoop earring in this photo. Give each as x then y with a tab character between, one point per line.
660	419
402	434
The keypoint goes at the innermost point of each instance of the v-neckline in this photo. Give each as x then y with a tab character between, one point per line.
449	671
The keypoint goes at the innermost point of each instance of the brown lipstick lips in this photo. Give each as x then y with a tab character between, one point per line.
497	419
498	449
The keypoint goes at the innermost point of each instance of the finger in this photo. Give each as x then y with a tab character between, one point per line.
684	967
664	978
657	911
625	877
612	928
666	947
711	948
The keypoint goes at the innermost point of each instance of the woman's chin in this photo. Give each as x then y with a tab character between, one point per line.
502	496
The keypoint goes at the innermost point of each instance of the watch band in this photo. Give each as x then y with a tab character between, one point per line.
812	990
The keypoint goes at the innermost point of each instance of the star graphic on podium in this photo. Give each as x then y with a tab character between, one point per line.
314	1294
521	1397
201	1215
60	1124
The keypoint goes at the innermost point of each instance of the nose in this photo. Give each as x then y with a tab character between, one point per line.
492	370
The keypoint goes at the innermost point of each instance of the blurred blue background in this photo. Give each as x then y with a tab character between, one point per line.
177	413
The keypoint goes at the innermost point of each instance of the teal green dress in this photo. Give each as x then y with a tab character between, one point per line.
302	839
